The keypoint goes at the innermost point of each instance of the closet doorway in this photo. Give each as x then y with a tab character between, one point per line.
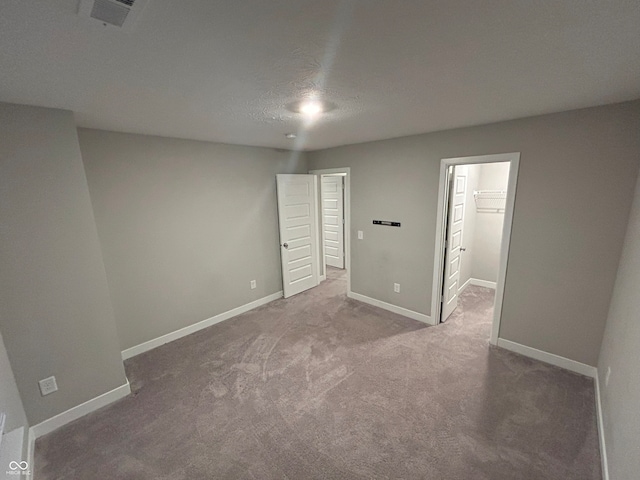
475	211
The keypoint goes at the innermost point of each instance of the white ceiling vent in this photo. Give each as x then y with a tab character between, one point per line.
119	13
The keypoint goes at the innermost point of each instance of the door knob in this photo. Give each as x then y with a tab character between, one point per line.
463	249
285	245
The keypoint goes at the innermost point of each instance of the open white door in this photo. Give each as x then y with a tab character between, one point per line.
455	222
333	219
297	216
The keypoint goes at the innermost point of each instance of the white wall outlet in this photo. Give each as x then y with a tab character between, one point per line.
606	378
360	234
396	287
48	385
253	284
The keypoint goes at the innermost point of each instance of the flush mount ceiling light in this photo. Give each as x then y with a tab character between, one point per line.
310	107
290	135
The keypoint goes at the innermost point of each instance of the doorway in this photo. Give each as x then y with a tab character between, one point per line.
303	232
335	220
475	212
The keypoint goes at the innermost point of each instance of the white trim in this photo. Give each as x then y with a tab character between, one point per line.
573	366
31	450
421	317
318	213
12	449
603	445
438	263
438	260
347	216
183	332
482	283
323	277
557	360
464	285
69	416
78	411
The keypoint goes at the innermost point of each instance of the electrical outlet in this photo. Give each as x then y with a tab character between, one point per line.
253	284
48	385
606	378
396	287
360	234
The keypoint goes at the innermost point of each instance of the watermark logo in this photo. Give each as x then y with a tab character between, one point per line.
18	468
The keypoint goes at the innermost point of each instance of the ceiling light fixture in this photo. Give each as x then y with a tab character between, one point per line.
290	135
310	107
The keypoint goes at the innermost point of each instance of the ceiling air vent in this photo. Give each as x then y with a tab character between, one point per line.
114	13
118	13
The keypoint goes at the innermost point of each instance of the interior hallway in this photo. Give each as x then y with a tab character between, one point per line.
322	386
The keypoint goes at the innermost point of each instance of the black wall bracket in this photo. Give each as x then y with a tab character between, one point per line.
386	223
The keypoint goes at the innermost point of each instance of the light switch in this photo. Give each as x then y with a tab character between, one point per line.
360	235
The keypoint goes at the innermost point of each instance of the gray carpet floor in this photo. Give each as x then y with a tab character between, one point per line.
319	386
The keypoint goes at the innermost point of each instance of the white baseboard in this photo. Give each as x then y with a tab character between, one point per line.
68	416
78	411
183	332
481	283
573	366
557	360
323	277
421	317
603	445
464	285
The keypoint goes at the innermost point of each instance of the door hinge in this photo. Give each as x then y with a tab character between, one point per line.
343	221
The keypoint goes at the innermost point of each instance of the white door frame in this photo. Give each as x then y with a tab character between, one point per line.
438	262
347	221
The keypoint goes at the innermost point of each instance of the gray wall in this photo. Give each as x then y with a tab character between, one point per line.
487	235
621	352
184	227
55	313
576	180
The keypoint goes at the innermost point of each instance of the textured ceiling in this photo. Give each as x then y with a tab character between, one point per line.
225	70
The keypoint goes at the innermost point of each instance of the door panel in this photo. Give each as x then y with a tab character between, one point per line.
298	232
456	240
297	211
454	267
331	236
333	220
300	273
299	253
452	291
455	234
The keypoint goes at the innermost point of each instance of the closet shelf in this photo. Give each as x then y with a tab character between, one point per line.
490	200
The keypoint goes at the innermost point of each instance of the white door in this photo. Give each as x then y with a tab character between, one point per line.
455	221
297	217
333	220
